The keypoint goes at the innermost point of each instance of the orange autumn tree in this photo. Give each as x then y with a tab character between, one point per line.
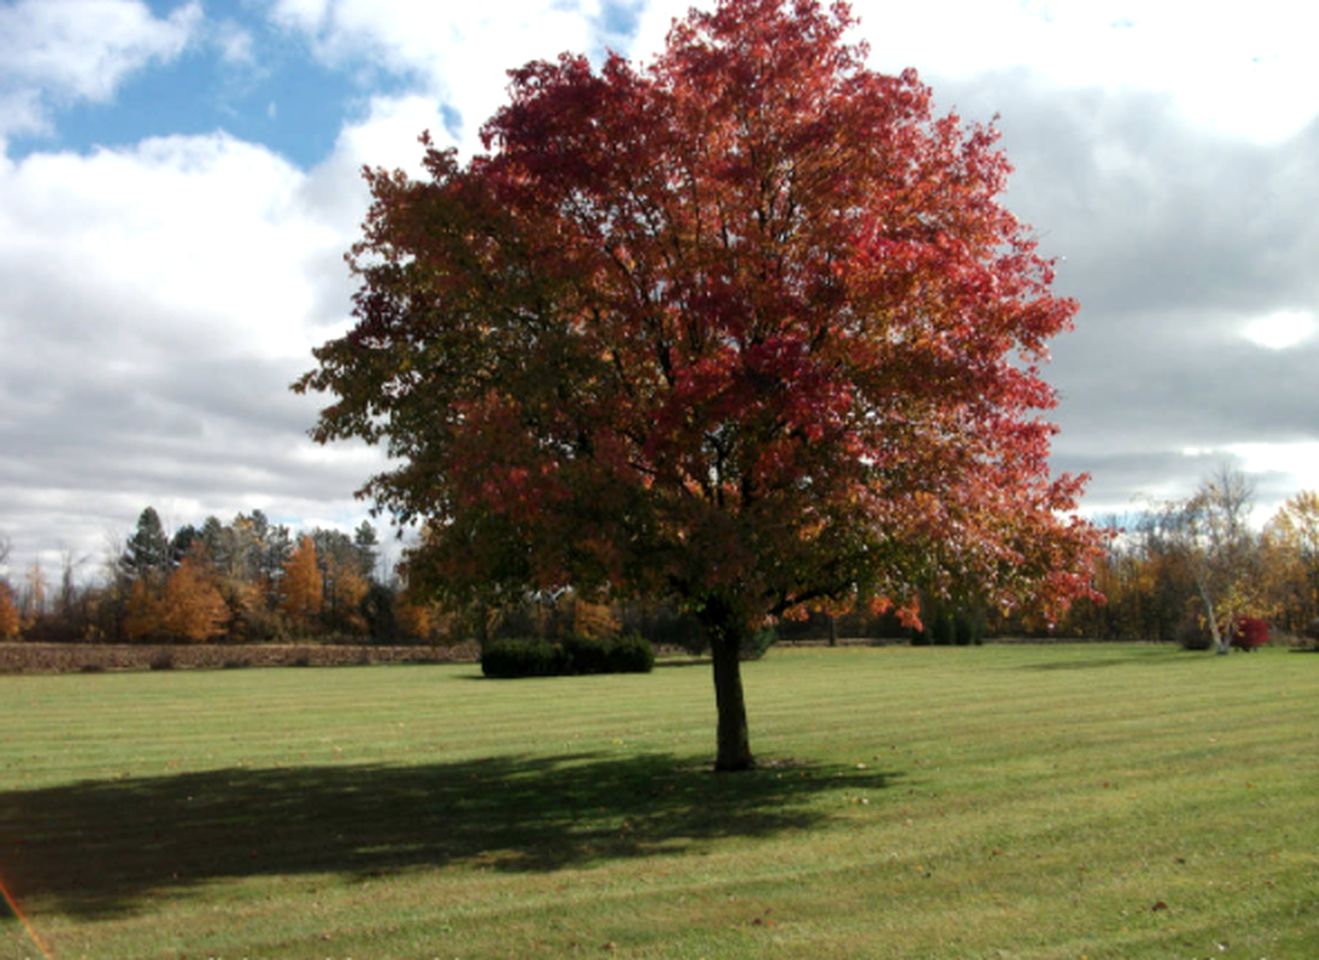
8	613
344	590
187	606
745	328
302	586
191	606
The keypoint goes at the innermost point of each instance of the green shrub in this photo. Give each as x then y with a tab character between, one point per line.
630	653
574	655
969	627
517	657
754	646
943	631
1192	635
586	654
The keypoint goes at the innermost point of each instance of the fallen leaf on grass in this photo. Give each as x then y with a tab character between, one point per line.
1159	905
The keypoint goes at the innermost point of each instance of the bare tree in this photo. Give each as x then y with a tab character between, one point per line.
34	596
1211	529
69	564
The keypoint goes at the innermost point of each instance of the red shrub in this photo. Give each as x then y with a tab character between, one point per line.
1250	633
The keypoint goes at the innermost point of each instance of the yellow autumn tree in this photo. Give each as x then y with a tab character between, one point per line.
144	613
8	613
344	589
593	619
302	586
1291	544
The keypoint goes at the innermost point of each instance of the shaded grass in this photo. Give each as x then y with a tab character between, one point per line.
104	847
1024	801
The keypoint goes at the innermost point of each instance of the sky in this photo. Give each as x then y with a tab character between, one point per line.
179	182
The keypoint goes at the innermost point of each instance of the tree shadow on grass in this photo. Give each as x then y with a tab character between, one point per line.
1078	665
105	847
1143	657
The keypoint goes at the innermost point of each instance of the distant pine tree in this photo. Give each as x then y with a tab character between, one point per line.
148	549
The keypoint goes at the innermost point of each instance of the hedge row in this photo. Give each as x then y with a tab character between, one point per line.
573	655
98	658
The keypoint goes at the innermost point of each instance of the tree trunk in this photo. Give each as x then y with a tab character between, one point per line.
725	630
482	626
1222	644
833	631
734	744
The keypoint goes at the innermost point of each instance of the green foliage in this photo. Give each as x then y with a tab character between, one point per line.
523	658
1192	635
575	654
754	646
943	631
586	654
695	641
947	625
379	608
148	549
969	627
630	653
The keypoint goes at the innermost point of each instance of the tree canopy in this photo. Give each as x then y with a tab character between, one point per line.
746	327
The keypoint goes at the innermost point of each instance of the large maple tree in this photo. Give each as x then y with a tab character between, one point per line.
746	327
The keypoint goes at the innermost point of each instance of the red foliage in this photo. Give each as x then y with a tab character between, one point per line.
746	327
1250	633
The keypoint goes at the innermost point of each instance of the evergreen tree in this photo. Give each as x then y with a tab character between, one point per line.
367	543
148	549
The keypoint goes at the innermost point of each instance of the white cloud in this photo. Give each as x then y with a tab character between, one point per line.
155	303
306	15
653	26
1281	329
199	234
386	137
458	54
21	112
234	43
1238	70
52	52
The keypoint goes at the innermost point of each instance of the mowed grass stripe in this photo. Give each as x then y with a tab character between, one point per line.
1037	801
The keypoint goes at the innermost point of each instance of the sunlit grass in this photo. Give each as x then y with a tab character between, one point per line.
1055	801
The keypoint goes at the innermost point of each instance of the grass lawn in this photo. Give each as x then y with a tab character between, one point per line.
1006	801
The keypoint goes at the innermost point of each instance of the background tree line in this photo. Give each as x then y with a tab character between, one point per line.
1189	570
246	581
1179	572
